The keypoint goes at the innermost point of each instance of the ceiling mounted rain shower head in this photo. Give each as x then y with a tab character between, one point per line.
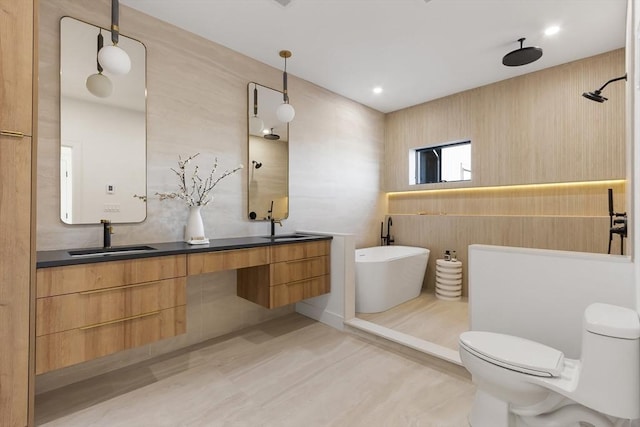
595	95
522	56
271	136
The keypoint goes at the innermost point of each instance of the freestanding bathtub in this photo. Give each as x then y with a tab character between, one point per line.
388	275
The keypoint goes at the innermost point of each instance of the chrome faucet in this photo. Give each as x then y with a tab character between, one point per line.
107	231
273	221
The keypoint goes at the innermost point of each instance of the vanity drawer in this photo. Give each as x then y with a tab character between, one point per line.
210	262
86	277
289	293
70	311
66	348
298	269
294	251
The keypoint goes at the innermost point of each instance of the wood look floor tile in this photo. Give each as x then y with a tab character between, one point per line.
290	371
426	317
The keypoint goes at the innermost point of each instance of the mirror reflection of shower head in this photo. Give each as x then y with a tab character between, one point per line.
522	56
271	136
596	95
256	165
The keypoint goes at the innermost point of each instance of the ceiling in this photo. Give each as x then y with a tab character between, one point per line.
416	50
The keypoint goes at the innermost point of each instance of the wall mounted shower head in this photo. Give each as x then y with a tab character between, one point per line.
595	95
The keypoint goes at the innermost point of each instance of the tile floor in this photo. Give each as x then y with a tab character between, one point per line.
290	371
426	317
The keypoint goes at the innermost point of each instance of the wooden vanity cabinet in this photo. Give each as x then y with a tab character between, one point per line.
87	311
297	271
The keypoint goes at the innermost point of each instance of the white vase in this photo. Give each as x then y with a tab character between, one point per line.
194	230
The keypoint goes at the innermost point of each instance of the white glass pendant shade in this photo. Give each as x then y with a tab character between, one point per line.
99	85
114	60
255	125
285	113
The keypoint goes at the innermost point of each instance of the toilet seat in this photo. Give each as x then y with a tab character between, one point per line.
514	353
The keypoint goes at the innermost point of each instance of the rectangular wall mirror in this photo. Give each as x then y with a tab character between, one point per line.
268	163
103	132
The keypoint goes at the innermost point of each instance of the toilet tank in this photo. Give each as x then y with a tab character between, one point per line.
610	375
612	321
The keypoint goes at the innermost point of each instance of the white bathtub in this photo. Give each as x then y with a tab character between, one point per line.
388	275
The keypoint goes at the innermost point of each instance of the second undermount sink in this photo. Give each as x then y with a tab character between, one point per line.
287	236
118	250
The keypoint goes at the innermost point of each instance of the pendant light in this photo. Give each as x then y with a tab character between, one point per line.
99	84
285	112
255	123
113	58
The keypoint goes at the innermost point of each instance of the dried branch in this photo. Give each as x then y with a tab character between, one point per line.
198	192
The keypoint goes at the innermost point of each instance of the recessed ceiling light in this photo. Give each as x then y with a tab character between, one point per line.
377	90
551	30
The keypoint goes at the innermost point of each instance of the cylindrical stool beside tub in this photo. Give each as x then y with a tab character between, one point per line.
448	280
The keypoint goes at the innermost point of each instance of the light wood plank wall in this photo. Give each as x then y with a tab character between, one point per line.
533	129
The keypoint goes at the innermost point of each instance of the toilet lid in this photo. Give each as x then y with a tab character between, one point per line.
515	353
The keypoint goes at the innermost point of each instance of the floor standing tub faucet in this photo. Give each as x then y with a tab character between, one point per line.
388	239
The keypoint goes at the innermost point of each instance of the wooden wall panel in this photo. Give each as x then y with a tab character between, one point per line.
558	200
452	232
535	128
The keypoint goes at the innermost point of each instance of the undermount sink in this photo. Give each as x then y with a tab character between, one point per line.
287	236
122	250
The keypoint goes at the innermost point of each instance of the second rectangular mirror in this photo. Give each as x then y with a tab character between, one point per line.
268	163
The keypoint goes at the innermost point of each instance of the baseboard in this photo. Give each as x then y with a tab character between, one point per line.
321	315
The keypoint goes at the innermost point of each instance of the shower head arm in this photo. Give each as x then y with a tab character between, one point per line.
611	81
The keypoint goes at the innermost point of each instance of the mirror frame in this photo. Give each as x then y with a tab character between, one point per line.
268	115
130	212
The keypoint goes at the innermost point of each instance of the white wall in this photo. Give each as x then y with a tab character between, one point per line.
541	294
633	103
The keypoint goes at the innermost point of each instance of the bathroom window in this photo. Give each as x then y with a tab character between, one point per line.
440	163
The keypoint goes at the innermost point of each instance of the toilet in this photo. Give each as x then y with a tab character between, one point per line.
522	383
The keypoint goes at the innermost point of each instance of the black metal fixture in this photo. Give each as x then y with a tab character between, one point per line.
596	95
256	125
522	56
388	239
256	165
113	58
271	136
617	223
99	84
285	111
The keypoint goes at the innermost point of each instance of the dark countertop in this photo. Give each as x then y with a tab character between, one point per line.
62	257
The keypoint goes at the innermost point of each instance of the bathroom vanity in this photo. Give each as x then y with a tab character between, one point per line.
92	305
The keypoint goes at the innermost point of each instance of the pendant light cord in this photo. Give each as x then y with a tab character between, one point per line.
115	20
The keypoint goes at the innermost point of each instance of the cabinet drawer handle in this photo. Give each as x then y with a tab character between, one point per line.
295	261
139	316
98	291
12	133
